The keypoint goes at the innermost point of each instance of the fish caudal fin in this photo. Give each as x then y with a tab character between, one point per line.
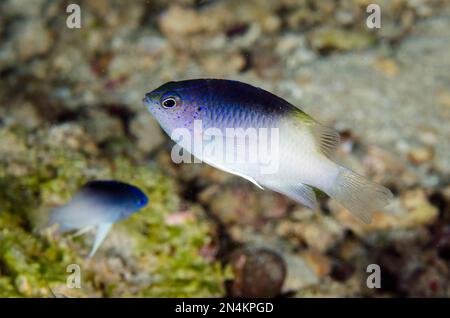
102	231
359	195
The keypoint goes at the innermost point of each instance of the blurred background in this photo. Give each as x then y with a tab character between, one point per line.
71	111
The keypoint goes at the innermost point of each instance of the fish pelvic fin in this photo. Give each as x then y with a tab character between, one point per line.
359	195
82	231
102	230
251	180
226	169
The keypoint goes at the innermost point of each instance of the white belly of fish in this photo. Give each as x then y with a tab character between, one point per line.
293	160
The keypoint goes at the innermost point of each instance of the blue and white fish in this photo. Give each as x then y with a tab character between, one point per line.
99	204
304	144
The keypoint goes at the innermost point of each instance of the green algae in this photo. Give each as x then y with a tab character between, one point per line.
160	260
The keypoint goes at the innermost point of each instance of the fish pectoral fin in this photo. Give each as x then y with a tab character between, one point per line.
226	169
102	230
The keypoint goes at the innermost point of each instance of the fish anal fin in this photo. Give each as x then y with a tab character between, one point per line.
306	195
299	192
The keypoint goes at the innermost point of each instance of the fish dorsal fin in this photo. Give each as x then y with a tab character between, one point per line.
102	231
327	138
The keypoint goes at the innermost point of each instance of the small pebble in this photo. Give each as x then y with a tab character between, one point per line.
259	273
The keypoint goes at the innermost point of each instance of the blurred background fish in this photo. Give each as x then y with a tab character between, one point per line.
99	204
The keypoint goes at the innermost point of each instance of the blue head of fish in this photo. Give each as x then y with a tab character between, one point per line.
97	202
117	196
178	104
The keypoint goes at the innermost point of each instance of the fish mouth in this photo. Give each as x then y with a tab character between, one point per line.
146	99
151	97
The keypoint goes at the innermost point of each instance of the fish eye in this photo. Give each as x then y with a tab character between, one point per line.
169	102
